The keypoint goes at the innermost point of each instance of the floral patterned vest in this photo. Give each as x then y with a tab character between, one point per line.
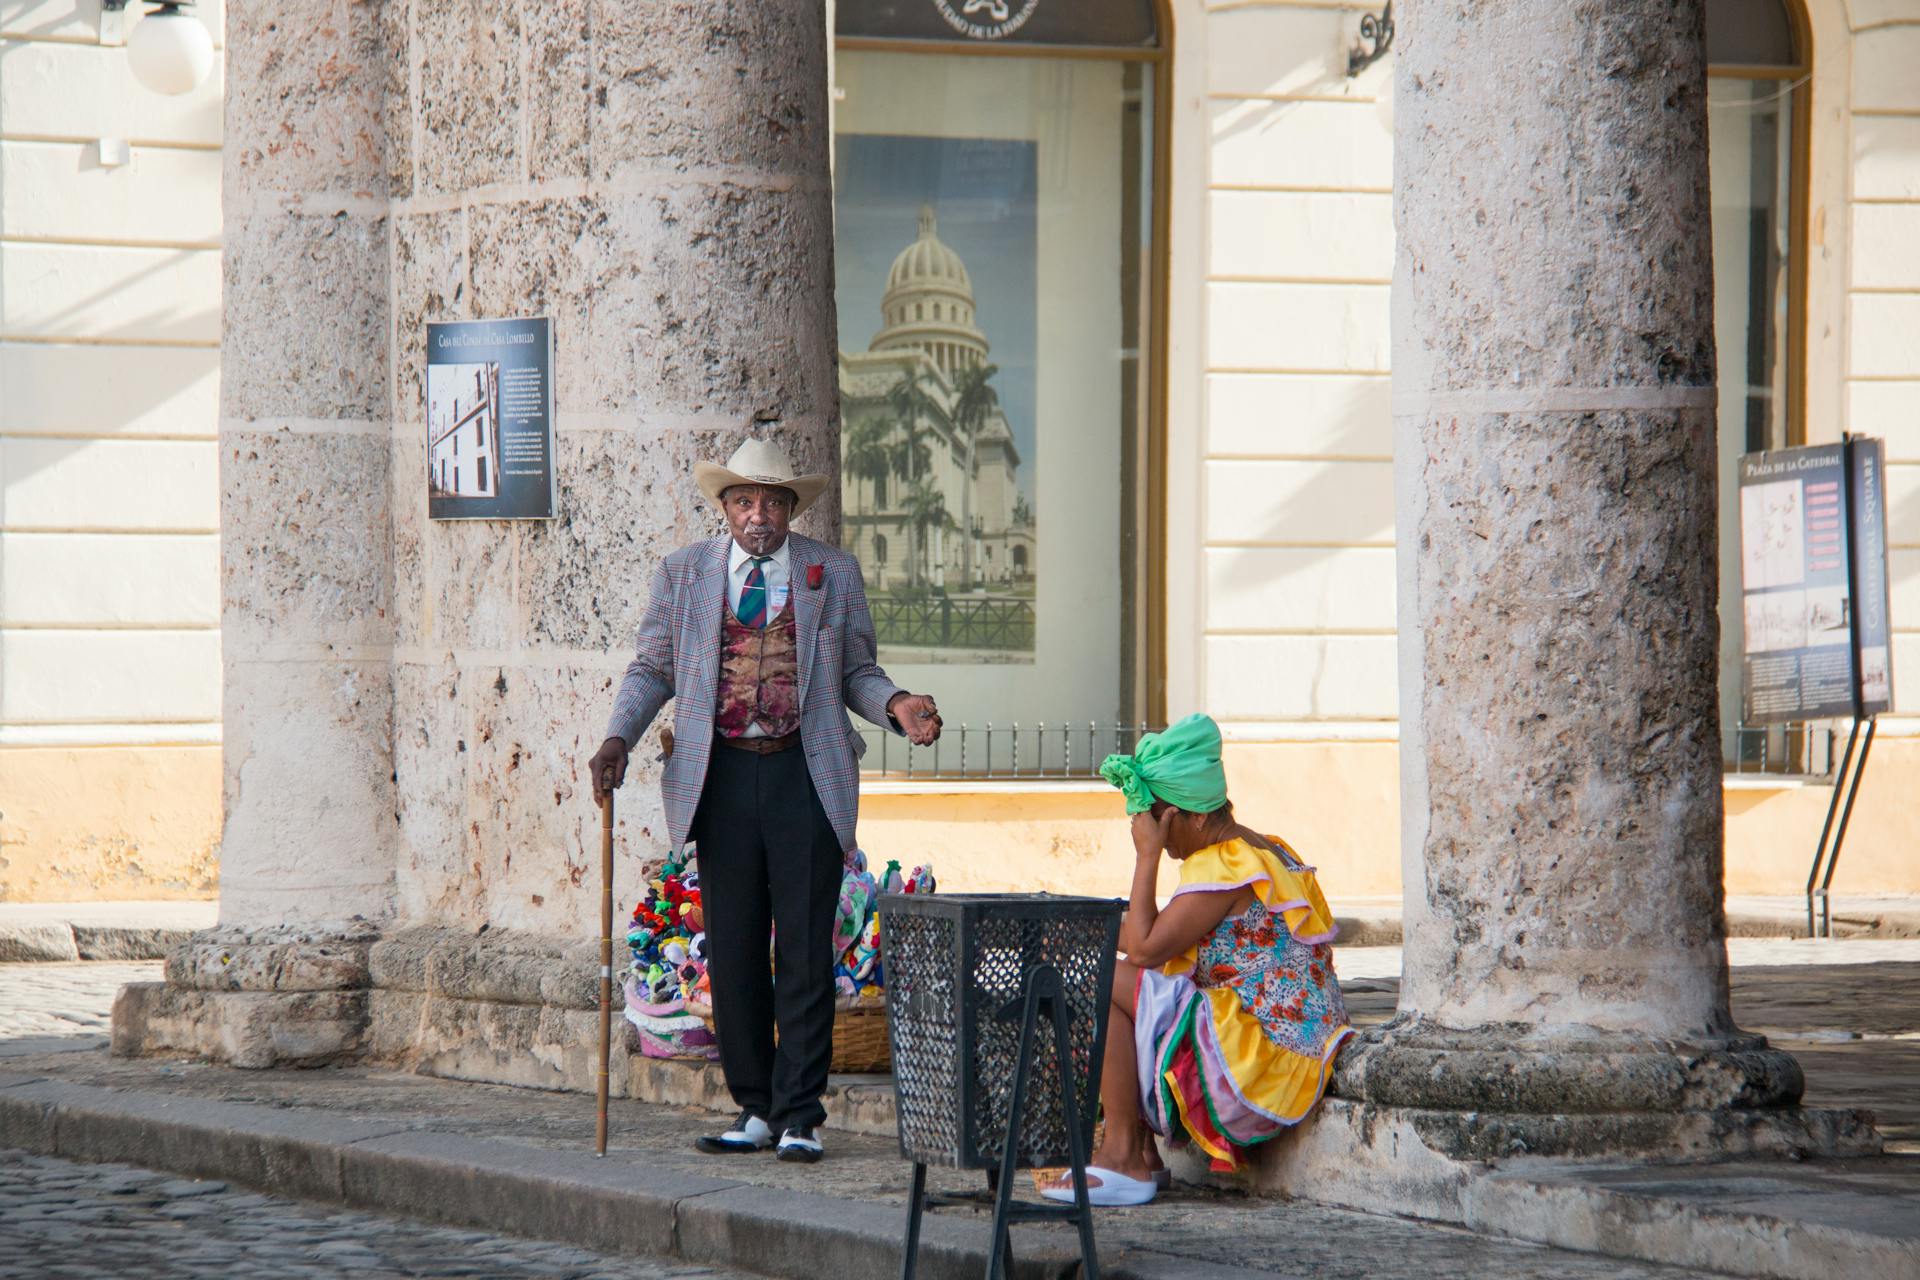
759	676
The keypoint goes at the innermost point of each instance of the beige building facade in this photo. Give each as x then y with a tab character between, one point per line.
1278	594
110	284
1197	406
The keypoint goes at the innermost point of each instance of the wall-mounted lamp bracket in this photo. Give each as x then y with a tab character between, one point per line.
1375	28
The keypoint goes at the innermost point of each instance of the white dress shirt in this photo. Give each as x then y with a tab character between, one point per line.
779	579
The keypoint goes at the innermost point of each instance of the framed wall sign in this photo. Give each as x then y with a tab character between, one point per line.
490	420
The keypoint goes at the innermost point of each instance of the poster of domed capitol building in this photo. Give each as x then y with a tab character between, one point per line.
937	391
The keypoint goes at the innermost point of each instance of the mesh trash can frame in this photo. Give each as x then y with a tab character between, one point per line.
978	985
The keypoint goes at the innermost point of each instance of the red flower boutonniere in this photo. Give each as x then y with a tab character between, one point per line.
816	574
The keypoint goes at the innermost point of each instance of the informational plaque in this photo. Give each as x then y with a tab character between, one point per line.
490	420
1813	576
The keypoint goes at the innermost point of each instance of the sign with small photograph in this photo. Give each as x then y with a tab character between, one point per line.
1813	576
490	420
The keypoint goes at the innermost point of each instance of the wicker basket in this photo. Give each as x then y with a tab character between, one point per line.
860	1042
861	1045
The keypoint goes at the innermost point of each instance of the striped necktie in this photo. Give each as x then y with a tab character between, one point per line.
753	596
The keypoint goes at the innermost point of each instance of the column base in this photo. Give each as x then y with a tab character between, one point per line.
253	999
498	1008
1418	1115
1527	1069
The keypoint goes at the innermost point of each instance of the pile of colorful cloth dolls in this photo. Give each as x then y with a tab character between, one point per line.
857	974
668	996
666	986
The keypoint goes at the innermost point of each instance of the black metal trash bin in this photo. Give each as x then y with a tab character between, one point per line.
969	977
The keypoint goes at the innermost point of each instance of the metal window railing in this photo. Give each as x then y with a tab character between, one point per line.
948	622
1802	749
1056	749
1070	749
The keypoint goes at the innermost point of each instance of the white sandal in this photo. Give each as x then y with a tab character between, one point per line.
1116	1190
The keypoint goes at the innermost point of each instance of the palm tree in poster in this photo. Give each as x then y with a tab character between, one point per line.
912	404
868	458
926	509
973	402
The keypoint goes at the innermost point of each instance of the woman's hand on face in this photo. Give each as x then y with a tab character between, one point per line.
1150	833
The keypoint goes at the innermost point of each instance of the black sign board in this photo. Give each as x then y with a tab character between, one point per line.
1813	576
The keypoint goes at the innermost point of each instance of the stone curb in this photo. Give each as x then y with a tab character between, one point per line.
619	1206
623	1206
56	941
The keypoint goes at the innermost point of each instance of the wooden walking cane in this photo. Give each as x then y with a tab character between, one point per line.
606	958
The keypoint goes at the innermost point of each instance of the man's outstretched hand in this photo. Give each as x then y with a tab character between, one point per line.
917	717
608	768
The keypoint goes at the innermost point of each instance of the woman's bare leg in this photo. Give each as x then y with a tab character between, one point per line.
1127	1146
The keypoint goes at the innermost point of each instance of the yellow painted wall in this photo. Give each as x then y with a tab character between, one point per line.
1339	805
1771	834
92	824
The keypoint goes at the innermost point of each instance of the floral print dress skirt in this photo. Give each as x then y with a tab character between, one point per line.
1236	1038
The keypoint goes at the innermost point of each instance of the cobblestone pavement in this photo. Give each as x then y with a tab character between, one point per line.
60	1220
64	999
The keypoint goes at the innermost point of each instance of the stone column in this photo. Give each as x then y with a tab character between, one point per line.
1565	981
307	853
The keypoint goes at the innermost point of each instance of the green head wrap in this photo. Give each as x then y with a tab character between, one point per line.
1180	766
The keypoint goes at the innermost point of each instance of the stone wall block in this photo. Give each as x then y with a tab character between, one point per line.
430	756
305	310
407	518
309	792
304	538
538	259
306	91
532	822
471	94
624	502
250	1030
472	561
396	88
720	300
560	55
521	1044
704	84
429	283
271	959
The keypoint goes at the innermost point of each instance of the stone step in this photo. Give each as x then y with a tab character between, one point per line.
69	931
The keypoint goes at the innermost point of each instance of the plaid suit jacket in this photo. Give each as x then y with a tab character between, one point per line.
678	657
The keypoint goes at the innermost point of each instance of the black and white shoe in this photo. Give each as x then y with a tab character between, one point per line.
749	1134
800	1146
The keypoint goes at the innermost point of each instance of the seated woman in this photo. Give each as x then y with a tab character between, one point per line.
1226	1012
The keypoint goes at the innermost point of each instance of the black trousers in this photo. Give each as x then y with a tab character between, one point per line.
769	857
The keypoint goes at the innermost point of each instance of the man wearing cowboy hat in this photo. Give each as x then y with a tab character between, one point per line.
763	639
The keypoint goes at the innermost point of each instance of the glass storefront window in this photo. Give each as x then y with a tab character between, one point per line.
992	219
1754	118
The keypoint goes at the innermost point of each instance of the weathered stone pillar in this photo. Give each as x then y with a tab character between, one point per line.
307	853
1565	982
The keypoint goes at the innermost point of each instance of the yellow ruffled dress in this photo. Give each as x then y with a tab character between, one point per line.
1236	1037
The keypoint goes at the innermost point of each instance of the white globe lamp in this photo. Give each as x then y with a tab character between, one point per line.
170	51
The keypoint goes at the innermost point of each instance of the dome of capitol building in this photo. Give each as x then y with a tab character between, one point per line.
928	305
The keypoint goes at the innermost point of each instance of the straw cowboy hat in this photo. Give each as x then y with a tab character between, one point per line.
759	462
